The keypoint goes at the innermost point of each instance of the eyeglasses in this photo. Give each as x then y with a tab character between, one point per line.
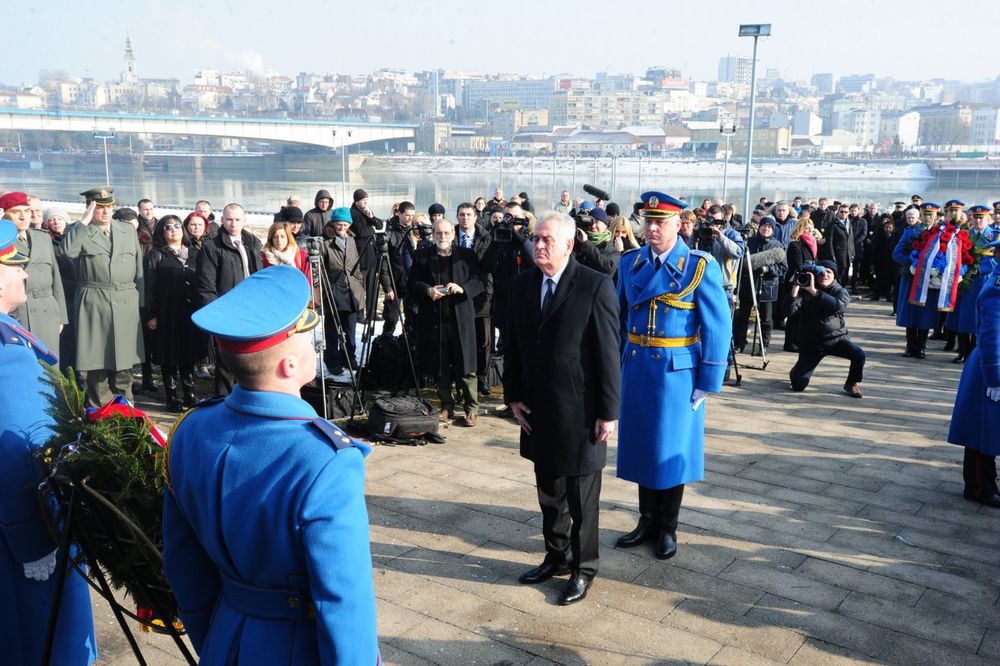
171	226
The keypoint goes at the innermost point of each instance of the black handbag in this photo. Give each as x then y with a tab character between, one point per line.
768	292
405	419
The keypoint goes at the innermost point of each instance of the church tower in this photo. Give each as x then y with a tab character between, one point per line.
131	74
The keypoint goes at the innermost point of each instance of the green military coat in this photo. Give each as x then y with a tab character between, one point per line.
109	291
45	310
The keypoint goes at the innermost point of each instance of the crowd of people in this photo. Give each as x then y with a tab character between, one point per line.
599	318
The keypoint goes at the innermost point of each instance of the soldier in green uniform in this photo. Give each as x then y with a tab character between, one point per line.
45	312
109	292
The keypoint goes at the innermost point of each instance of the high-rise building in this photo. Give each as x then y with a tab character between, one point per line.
517	94
734	69
824	83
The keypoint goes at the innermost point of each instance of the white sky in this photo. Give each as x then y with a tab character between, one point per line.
906	39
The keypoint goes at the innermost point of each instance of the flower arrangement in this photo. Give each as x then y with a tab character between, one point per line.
943	235
110	460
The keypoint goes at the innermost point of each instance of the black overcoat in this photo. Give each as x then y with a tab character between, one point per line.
220	267
425	274
170	297
564	367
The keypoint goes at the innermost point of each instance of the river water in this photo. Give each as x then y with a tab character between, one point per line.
261	186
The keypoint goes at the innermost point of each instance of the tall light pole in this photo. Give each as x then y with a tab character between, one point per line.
755	30
727	130
343	163
110	134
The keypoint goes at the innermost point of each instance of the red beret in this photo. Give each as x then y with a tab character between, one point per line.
12	199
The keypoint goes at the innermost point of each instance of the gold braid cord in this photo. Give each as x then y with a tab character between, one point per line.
674	300
166	449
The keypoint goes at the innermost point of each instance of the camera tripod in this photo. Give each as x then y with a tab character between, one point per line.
758	333
381	247
325	299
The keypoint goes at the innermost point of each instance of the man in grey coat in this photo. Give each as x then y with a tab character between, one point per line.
45	312
108	296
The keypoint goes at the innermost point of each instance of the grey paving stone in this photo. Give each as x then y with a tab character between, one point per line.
746	634
961	632
786	584
858	580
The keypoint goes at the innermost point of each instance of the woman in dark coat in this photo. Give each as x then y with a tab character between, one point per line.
170	278
198	230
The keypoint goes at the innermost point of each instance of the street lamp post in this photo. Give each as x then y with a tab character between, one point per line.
727	131
343	163
755	30
110	134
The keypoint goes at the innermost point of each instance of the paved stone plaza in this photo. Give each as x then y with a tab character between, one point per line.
827	530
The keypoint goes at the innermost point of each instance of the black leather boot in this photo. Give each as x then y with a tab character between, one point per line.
921	346
911	335
187	388
170	389
670	508
949	337
148	385
647	521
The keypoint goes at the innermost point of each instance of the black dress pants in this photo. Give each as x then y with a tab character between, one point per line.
570	509
809	358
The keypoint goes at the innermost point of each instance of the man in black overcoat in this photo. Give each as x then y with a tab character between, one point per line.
444	283
562	379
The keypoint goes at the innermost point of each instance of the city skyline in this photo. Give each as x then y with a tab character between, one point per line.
453	35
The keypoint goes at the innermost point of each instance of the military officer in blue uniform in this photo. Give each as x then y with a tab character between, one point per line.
676	330
918	320
265	530
962	320
27	551
975	420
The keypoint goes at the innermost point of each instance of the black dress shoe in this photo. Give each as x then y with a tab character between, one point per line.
992	500
950	346
575	590
920	354
543	572
643	531
908	353
666	545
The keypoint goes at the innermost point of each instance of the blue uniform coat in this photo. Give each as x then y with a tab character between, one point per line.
661	440
975	421
266	514
24	603
909	315
963	318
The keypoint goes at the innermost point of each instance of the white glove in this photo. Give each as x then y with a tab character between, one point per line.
40	570
993	393
697	398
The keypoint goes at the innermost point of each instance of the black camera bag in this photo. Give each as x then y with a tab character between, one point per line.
403	419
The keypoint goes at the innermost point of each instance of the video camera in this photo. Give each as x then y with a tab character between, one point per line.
807	269
425	231
584	221
314	245
503	231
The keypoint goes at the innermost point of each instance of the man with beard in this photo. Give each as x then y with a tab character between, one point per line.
444	283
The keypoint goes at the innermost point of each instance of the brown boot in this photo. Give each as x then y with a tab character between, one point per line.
853	389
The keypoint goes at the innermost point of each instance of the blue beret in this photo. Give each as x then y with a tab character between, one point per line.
9	256
264	309
341	215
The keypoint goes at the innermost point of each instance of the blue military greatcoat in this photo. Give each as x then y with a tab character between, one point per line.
24	537
676	331
963	318
909	315
975	421
265	534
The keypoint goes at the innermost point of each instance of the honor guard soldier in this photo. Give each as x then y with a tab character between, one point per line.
962	319
975	420
265	530
27	550
996	216
918	319
676	330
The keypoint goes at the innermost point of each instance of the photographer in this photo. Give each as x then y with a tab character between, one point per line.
594	246
509	253
725	244
767	260
398	237
820	301
340	257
